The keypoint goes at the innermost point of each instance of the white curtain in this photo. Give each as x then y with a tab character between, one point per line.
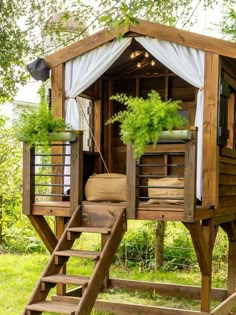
83	71
187	63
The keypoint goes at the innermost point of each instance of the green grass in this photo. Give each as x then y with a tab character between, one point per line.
19	274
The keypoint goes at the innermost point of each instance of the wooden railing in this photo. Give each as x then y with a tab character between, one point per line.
43	178
151	197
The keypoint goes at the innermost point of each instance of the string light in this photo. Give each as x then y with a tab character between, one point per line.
145	54
132	55
152	63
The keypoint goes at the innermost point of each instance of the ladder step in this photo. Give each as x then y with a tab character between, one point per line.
53	307
66	279
78	253
89	230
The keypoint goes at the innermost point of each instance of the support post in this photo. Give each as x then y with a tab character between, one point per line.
76	184
210	167
131	183
230	229
58	100
203	236
190	178
28	179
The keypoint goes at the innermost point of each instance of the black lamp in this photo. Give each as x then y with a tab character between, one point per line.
39	69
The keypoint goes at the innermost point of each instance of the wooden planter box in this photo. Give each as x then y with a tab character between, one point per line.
68	136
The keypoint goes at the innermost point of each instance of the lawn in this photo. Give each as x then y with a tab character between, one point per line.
19	274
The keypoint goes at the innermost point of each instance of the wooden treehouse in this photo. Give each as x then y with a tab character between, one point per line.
198	70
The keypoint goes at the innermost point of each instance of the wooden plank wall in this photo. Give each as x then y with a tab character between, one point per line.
227	178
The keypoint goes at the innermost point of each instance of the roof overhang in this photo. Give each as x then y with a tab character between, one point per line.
144	28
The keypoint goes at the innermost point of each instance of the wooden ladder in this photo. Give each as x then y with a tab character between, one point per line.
90	287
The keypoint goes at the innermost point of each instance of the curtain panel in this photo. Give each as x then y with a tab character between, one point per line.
189	64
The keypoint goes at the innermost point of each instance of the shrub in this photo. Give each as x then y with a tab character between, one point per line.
137	247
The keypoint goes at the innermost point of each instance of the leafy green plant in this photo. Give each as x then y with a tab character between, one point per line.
144	119
137	248
179	254
35	127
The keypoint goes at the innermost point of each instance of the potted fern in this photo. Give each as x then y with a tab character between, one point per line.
40	127
146	121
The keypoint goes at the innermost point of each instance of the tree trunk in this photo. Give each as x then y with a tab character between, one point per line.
159	244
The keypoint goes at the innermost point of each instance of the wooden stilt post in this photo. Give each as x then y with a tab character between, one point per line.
203	237
231	268
230	229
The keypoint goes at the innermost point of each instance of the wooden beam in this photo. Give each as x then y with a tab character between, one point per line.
203	236
81	47
225	307
58	90
175	35
60	227
76	189
231	120
28	180
58	107
190	178
44	231
110	128
230	229
120	308
167	289
131	183
231	285
146	28
210	148
97	122
124	308
98	127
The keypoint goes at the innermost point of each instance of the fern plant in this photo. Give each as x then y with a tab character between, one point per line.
144	119
35	127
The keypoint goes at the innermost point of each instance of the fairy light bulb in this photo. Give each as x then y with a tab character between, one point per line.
132	55
139	64
146	54
152	63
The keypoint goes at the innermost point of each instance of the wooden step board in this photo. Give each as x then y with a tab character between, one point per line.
78	253
66	279
89	230
90	287
52	307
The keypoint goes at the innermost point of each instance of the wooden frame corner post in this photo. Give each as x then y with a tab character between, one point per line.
131	183
210	167
28	179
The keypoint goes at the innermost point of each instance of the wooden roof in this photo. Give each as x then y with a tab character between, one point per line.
144	28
